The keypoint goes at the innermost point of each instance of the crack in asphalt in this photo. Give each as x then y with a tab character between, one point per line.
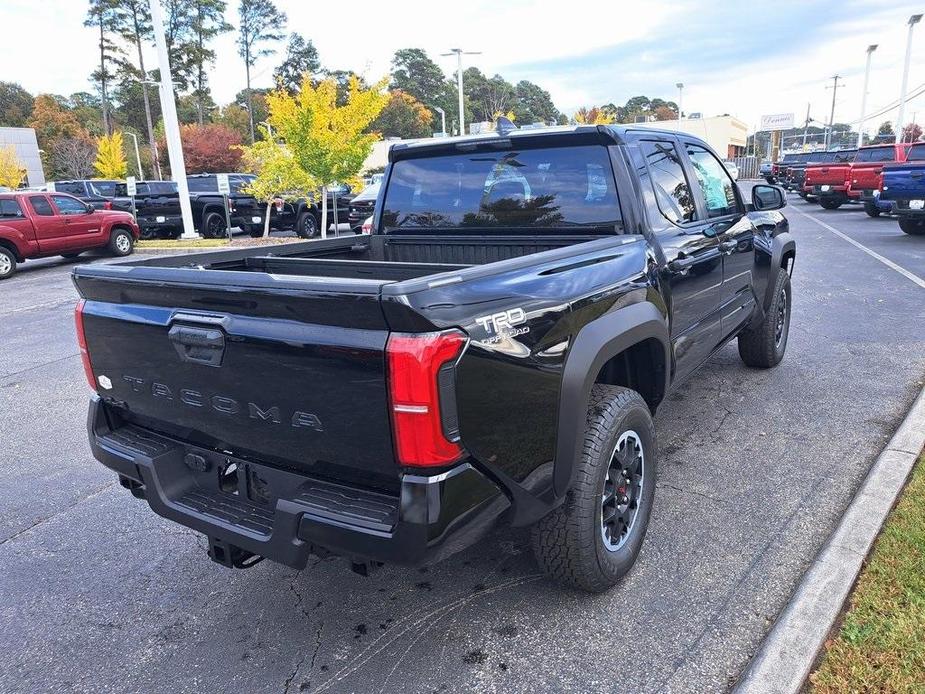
67	508
663	485
300	603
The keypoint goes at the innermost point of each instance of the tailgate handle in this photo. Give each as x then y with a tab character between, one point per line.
198	345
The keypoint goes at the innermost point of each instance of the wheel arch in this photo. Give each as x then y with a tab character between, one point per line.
783	257
13	248
608	350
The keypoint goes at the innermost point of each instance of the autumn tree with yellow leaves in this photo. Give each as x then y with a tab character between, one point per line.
327	141
110	157
12	170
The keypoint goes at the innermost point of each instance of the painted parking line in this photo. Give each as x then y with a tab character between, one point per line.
873	254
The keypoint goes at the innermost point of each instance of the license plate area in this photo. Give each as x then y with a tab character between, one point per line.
216	473
916	204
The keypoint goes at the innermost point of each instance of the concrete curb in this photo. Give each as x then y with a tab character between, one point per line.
787	655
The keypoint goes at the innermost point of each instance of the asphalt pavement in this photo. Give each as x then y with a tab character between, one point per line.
756	467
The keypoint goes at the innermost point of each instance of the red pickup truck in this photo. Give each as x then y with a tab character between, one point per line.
38	225
867	171
835	184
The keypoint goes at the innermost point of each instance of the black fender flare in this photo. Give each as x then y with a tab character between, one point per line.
781	244
594	345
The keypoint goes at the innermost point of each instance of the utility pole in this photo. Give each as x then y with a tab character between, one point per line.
806	127
459	83
913	20
171	125
870	51
828	134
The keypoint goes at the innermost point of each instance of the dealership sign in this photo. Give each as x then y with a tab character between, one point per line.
778	121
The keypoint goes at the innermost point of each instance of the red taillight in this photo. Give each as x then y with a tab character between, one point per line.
367	227
82	343
107	205
418	365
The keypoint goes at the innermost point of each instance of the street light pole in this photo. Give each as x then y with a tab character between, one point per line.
442	119
171	124
828	134
870	51
680	86
141	174
459	83
913	20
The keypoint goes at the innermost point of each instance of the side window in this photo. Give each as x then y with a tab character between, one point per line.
41	206
672	191
715	184
10	208
67	205
72	187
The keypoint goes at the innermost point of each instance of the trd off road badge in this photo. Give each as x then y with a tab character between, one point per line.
502	325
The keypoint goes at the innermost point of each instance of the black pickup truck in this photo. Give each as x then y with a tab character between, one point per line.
156	205
95	192
492	353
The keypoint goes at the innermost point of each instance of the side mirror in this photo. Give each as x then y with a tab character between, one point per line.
90	209
766	198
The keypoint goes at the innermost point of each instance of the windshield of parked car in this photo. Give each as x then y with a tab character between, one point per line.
553	188
875	154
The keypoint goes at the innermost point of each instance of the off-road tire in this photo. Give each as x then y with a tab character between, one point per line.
121	243
569	543
762	346
7	263
915	227
830	203
306	226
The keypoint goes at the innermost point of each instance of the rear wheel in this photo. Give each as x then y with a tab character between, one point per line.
214	226
7	263
871	209
593	538
121	243
306	226
763	346
915	227
830	203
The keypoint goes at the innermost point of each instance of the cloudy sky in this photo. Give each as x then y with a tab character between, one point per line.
742	58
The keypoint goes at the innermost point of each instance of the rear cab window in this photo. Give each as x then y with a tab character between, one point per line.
202	184
874	154
916	152
664	171
559	189
104	189
10	209
41	206
72	187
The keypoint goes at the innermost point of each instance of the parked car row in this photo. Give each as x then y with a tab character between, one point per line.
885	179
156	206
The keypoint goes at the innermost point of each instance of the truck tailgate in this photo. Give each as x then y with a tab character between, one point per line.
903	182
247	362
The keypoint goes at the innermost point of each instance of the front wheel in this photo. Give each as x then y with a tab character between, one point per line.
871	209
830	203
915	227
763	345
591	541
7	263
121	243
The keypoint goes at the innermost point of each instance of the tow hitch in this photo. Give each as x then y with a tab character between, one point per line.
233	557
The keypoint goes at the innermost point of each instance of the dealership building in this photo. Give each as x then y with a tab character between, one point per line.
23	142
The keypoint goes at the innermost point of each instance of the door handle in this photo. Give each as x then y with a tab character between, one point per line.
682	264
727	247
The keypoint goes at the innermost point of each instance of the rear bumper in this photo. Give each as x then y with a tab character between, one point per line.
284	516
